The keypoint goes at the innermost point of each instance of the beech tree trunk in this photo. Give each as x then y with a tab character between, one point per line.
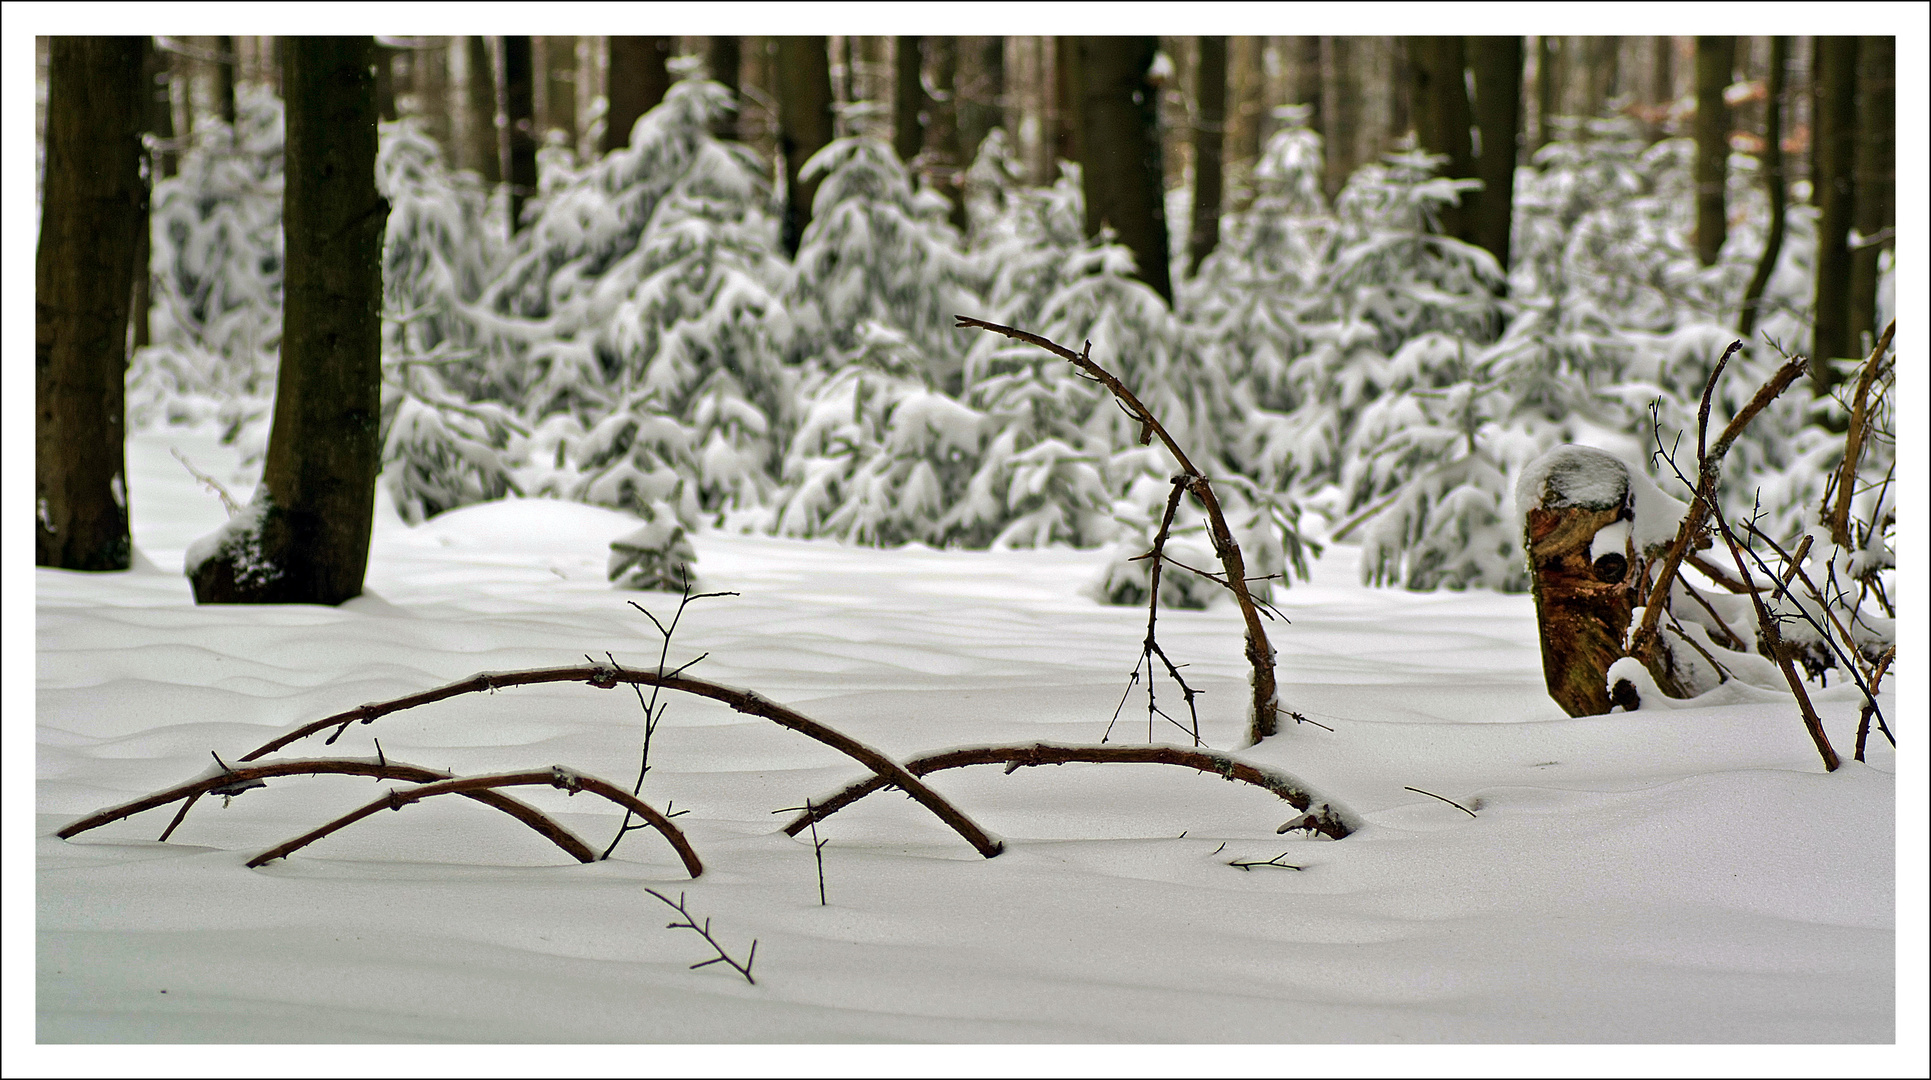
722	66
305	537
92	208
908	98
804	125
1834	152
1874	181
1120	151
1210	122
638	80
1715	60
1497	66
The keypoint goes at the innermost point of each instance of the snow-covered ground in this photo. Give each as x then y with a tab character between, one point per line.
1686	876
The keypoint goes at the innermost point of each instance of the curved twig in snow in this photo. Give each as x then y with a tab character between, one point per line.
604	677
516	808
1328	818
556	776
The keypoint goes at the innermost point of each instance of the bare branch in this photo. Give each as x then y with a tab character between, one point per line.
690	923
1432	795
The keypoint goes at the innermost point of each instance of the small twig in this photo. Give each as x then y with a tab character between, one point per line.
1432	795
228	502
1249	864
690	923
1864	714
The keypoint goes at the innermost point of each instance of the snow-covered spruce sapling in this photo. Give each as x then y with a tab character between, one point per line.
653	709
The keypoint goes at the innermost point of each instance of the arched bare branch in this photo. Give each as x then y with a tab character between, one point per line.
1328	817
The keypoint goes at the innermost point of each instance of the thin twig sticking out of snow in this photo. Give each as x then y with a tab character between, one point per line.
1432	795
690	923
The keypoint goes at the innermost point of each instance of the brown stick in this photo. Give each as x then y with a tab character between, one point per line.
522	811
1260	653
604	677
556	776
1329	818
1644	643
1870	703
1838	519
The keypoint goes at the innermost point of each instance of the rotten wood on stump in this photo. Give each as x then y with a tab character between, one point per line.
1584	592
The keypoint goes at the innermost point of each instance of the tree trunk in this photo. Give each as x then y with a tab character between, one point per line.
1875	180
1715	59
1210	97
943	160
638	81
908	98
1120	147
804	125
1340	106
1833	156
1439	102
560	87
1585	587
429	77
1548	83
385	82
1243	148
305	538
1662	85
481	139
225	79
1774	180
722	66
92	206
519	93
982	94
1497	64
1067	96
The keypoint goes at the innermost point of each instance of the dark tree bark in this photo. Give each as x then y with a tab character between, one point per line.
560	87
1120	147
157	121
481	138
638	81
1715	61
1339	113
225	79
1067	81
722	66
1438	89
385	82
1875	180
159	96
519	92
306	537
908	98
1774	179
1497	64
1210	98
982	93
943	159
92	207
804	125
1833	156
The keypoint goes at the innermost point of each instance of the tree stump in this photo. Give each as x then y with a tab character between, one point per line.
1583	569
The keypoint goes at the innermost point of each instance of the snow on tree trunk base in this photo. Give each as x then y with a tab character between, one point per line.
1583	569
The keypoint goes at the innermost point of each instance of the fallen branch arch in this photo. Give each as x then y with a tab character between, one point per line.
555	776
1328	818
605	677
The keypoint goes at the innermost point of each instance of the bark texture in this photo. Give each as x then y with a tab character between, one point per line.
1120	151
92	209
804	125
908	98
722	65
519	95
1438	100
306	536
1583	600
1874	181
